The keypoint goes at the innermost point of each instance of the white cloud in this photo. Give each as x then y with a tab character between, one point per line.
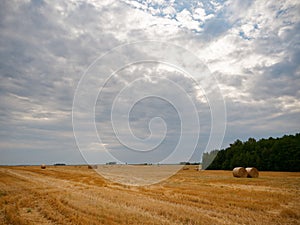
200	14
186	20
252	47
170	11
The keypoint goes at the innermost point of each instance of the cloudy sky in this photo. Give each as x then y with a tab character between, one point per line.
250	48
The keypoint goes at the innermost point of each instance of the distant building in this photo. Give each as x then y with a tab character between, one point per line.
111	163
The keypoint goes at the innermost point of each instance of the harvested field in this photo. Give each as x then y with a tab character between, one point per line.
78	195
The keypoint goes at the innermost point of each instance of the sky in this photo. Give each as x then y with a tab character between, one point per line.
135	81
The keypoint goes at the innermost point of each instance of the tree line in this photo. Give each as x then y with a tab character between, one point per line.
273	154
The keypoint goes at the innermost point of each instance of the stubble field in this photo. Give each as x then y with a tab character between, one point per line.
78	195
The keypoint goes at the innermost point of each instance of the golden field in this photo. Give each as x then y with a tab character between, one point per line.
78	195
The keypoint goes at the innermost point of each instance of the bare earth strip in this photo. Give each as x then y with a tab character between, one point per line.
78	195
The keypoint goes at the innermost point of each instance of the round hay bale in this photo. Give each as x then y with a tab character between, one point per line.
43	166
92	166
252	172
239	172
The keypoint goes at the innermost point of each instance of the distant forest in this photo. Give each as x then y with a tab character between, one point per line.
273	154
